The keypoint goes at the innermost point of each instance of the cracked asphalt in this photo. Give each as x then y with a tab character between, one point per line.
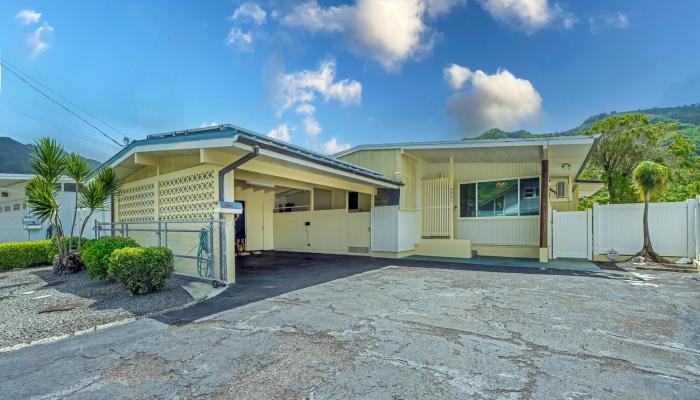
399	332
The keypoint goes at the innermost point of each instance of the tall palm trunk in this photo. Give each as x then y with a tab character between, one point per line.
72	226
647	238
82	227
647	250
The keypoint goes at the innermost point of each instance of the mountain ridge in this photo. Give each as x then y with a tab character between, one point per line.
14	157
687	117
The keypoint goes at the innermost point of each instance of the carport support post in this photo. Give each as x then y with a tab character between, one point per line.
230	229
544	208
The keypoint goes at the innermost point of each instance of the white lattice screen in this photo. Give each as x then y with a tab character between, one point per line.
188	197
189	194
137	202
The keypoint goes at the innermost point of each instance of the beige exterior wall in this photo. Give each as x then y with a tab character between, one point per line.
393	165
259	221
330	231
386	162
409	177
508	237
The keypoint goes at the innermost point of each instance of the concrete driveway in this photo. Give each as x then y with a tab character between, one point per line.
398	332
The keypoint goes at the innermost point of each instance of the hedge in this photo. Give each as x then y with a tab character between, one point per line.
26	254
141	269
96	254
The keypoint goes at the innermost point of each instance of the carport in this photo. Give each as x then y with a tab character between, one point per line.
293	199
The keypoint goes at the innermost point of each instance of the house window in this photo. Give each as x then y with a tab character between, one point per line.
358	201
16	206
290	200
530	196
69	187
387	197
502	198
467	200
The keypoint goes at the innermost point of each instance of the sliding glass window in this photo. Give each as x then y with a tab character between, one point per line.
502	198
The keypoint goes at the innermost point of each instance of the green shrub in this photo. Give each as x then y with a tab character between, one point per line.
141	269
96	254
26	254
66	241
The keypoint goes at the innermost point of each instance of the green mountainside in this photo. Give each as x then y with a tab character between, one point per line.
687	118
14	157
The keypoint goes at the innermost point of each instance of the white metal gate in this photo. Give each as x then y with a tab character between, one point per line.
437	207
571	234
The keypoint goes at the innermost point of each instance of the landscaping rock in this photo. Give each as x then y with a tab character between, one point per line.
70	264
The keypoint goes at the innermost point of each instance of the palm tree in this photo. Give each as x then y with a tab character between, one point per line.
650	179
97	192
77	169
48	160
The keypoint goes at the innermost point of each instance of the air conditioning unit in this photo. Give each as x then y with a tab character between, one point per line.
561	190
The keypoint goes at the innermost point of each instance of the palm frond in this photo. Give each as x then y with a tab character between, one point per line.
77	169
93	195
48	160
41	198
650	178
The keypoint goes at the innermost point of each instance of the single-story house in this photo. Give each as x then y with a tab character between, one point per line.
392	200
16	222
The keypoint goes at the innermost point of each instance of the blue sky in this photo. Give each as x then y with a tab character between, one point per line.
330	74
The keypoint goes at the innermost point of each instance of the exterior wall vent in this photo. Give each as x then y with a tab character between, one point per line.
561	190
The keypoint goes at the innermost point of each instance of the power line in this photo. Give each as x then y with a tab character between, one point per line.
58	103
7	64
56	125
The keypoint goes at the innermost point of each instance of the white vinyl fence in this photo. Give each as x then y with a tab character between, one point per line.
394	230
674	229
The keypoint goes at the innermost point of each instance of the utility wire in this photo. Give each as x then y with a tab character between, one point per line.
7	64
56	125
58	103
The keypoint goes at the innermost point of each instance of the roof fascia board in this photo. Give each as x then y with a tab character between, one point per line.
467	144
319	167
188	145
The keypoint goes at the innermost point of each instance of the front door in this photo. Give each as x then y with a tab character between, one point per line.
240	231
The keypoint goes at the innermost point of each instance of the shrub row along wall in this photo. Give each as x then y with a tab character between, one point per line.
189	194
26	254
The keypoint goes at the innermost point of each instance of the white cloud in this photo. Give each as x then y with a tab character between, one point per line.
389	32
209	124
242	41
568	19
302	87
28	17
500	100
436	8
250	11
311	126
332	146
306	109
528	15
615	20
35	40
281	132
456	76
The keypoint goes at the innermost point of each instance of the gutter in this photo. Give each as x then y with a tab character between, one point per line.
233	166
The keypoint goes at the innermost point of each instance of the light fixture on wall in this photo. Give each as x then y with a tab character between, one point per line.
566	166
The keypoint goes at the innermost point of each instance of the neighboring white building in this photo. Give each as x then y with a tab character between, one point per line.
14	209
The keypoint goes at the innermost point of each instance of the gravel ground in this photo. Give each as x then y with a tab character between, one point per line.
23	293
399	332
